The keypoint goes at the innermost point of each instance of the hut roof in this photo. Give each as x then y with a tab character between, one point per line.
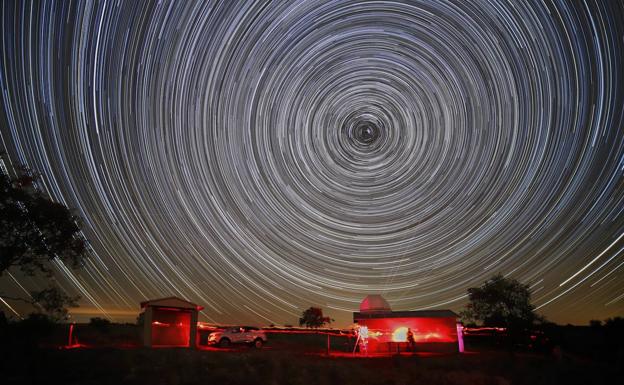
174	302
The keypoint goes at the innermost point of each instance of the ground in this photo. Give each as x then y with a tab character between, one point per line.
267	366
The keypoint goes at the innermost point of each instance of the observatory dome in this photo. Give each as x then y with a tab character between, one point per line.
374	303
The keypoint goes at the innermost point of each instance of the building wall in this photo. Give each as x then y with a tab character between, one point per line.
430	334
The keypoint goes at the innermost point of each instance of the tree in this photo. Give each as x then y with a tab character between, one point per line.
140	320
53	303
101	324
596	324
615	323
35	230
502	302
313	318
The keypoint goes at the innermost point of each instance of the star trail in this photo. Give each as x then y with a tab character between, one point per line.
258	158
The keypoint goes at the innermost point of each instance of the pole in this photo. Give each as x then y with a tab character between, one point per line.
328	348
71	331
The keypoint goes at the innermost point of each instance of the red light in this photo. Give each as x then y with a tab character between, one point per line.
460	337
171	327
71	333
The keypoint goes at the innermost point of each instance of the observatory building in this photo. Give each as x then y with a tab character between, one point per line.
169	322
387	331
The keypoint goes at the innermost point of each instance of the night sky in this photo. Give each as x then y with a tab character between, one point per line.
260	158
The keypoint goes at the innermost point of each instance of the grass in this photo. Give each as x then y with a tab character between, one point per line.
250	366
287	359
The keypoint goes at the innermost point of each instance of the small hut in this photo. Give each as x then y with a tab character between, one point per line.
169	322
387	330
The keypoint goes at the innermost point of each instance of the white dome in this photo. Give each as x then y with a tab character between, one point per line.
374	303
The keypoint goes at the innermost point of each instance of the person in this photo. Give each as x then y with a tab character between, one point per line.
411	343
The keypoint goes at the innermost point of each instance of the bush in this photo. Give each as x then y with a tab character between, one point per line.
101	324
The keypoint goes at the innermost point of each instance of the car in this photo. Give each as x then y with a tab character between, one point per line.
249	335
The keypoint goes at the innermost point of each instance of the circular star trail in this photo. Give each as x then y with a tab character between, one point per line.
259	158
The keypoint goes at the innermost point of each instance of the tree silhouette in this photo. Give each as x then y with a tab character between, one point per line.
35	230
595	323
502	302
313	318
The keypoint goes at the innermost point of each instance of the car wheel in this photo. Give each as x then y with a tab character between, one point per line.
224	342
258	343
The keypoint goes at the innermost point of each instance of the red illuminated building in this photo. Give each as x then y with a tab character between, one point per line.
387	331
170	322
